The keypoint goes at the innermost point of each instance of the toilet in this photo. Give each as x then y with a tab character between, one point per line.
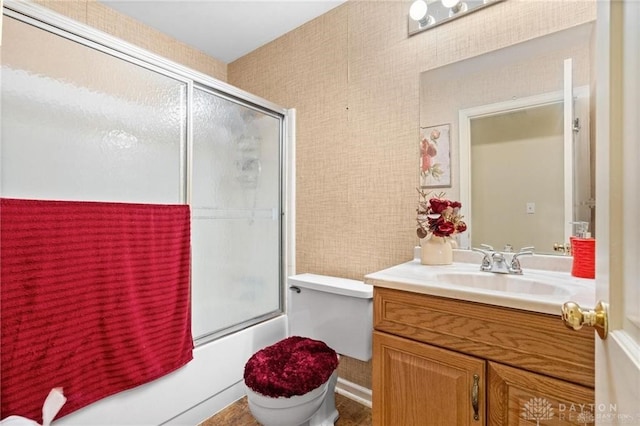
327	316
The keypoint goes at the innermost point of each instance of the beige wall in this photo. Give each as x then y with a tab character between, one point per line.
353	76
105	19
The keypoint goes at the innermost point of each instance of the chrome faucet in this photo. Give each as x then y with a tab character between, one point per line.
497	262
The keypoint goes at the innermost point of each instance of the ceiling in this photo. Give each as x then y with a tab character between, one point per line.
224	29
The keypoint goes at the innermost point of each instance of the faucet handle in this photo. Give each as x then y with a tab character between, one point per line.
485	252
523	252
486	258
515	261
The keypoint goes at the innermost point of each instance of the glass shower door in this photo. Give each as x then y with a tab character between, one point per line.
81	124
88	123
236	214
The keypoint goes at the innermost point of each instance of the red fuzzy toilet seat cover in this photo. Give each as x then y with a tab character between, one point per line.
293	366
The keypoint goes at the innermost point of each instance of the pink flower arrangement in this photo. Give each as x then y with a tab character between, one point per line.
438	216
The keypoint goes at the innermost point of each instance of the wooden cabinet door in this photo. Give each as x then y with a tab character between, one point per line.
416	384
518	397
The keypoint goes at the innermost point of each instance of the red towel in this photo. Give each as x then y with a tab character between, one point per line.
95	299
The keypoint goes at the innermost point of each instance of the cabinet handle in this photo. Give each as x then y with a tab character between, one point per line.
474	396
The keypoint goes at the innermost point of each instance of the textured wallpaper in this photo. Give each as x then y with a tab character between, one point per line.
105	19
353	76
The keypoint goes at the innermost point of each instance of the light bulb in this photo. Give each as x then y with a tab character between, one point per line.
450	3
418	10
455	6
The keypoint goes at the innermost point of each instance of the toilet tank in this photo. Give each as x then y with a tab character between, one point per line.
337	311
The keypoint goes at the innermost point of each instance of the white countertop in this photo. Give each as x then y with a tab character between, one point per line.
540	290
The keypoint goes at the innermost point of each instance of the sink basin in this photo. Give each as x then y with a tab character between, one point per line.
537	290
501	282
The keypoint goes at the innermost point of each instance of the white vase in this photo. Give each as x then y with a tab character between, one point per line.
436	251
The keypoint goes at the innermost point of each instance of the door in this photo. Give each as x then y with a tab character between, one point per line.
520	397
422	385
236	214
617	197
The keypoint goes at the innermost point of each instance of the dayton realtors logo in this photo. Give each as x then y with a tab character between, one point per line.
537	409
540	410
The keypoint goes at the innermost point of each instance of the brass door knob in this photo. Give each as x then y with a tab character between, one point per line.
575	317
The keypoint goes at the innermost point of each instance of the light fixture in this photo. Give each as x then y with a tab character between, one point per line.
455	6
418	12
441	11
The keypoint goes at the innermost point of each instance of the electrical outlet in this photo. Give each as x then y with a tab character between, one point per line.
531	208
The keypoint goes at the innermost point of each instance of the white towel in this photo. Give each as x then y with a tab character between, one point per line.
52	404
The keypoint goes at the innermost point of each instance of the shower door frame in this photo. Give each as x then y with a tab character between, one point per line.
42	18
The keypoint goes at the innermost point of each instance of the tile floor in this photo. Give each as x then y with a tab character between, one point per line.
237	414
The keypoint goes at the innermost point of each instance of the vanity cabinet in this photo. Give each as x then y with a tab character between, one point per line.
440	361
422	384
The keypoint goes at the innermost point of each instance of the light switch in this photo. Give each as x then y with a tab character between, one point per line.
531	208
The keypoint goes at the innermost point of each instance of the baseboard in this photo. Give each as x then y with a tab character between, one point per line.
353	391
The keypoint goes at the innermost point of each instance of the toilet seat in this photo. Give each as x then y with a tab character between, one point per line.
293	366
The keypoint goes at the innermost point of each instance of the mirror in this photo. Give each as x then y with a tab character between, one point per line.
521	171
